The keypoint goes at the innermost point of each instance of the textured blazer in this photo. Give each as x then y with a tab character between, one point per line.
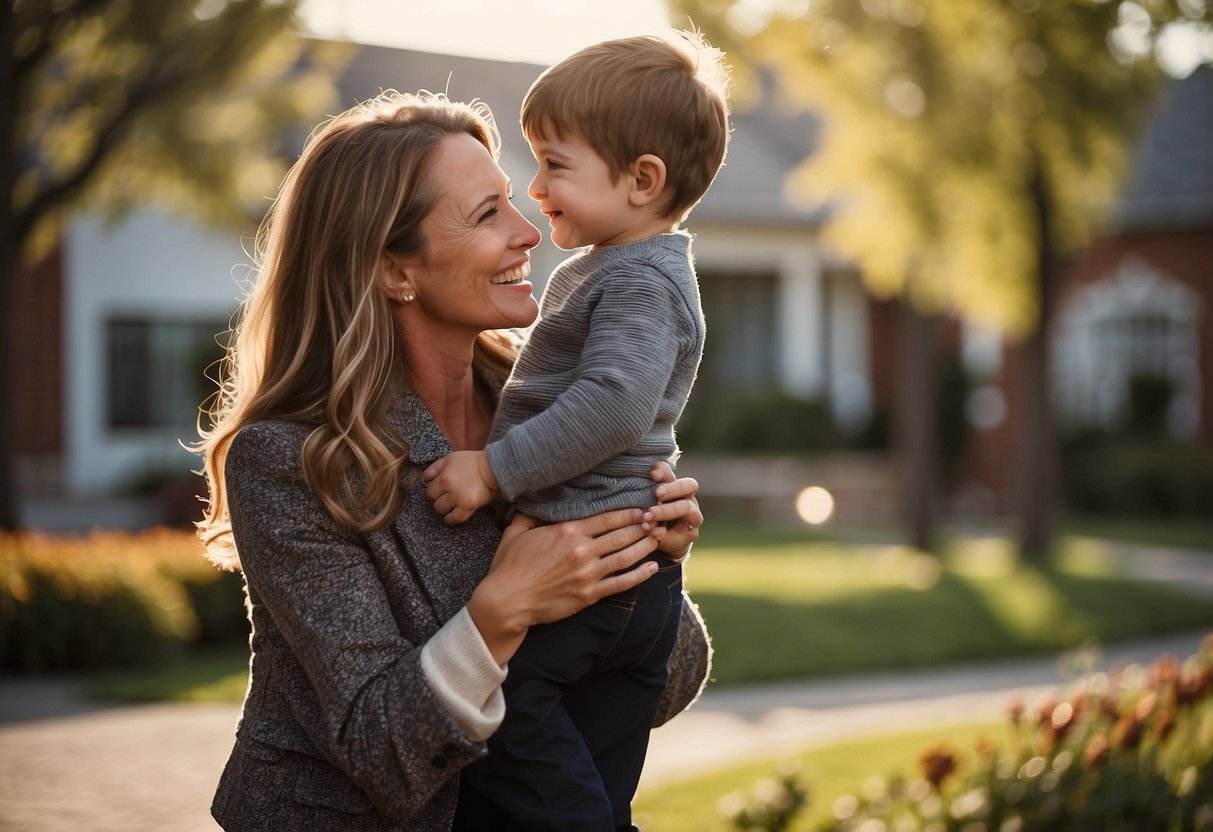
340	729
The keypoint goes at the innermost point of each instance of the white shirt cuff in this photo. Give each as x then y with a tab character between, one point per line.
464	676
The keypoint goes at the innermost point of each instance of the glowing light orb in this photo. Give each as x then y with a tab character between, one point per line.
815	505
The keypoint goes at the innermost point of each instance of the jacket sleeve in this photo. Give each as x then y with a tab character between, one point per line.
381	723
689	666
638	330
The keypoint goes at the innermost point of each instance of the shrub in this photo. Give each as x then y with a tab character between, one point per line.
771	805
74	603
1141	477
1129	750
759	421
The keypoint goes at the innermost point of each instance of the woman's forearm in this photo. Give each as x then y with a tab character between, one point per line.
501	624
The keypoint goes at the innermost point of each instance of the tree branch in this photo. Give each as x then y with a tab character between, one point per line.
166	72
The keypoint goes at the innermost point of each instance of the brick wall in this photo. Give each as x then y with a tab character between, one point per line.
37	371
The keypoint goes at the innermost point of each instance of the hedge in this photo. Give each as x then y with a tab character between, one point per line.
109	598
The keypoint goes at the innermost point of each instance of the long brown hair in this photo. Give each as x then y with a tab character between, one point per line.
315	341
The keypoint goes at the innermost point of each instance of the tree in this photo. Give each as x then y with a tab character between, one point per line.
968	150
104	103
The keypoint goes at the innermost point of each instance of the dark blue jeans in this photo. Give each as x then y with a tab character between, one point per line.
580	698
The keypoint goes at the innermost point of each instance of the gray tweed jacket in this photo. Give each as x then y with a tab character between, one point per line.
340	730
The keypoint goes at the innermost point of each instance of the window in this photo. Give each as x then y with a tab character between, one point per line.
156	370
1137	323
740	352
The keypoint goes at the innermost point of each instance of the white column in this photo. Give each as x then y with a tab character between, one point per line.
798	318
851	393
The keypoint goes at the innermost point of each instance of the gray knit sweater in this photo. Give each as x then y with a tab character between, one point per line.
594	396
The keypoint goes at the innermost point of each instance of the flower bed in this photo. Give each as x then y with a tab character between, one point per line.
1127	750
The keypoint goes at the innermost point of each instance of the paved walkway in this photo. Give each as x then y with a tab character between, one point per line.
66	764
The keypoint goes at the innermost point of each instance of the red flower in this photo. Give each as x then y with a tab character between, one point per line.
1015	710
1096	753
937	764
1165	671
1129	731
1194	686
1165	723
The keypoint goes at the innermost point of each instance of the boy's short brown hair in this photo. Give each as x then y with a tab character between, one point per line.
646	94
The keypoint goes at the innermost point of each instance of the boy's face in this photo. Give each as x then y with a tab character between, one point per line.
574	190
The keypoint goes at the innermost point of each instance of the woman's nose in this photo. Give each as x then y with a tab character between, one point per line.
527	234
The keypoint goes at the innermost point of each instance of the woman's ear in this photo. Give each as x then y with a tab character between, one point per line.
648	177
393	278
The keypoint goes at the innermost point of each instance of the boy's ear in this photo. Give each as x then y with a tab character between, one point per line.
393	278
647	178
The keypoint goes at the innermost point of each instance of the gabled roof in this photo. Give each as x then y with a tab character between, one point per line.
765	145
1171	180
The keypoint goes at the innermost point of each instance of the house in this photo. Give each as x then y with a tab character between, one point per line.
113	329
110	332
1138	301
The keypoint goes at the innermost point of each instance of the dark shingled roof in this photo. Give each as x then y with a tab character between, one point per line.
1171	183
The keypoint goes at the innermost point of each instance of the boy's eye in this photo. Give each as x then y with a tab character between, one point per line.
554	165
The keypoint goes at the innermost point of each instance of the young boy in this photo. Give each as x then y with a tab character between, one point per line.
628	135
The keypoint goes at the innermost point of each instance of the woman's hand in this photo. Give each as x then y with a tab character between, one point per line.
544	573
676	519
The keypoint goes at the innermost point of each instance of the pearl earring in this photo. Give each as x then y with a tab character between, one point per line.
407	298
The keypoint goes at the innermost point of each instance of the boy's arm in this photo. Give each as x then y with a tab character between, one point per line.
460	483
637	332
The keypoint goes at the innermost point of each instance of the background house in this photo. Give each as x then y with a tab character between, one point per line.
1136	304
111	331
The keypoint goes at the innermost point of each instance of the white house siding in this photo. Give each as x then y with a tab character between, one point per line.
149	265
807	364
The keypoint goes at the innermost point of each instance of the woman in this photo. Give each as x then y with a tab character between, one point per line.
370	347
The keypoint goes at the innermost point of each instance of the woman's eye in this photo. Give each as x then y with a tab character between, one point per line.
489	214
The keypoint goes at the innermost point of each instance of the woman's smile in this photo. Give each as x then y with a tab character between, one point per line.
513	275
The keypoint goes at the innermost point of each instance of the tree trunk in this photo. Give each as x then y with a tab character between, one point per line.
915	427
9	511
1036	455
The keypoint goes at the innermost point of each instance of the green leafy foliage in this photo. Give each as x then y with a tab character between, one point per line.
952	133
1104	474
111	598
187	105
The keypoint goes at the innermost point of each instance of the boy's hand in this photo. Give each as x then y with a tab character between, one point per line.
460	483
676	518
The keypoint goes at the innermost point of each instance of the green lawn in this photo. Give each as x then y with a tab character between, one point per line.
780	608
212	675
786	603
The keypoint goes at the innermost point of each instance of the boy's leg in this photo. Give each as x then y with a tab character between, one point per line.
539	769
614	706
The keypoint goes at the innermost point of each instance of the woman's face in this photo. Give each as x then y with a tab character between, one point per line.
473	273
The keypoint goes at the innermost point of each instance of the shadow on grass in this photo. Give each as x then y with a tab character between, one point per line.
958	618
